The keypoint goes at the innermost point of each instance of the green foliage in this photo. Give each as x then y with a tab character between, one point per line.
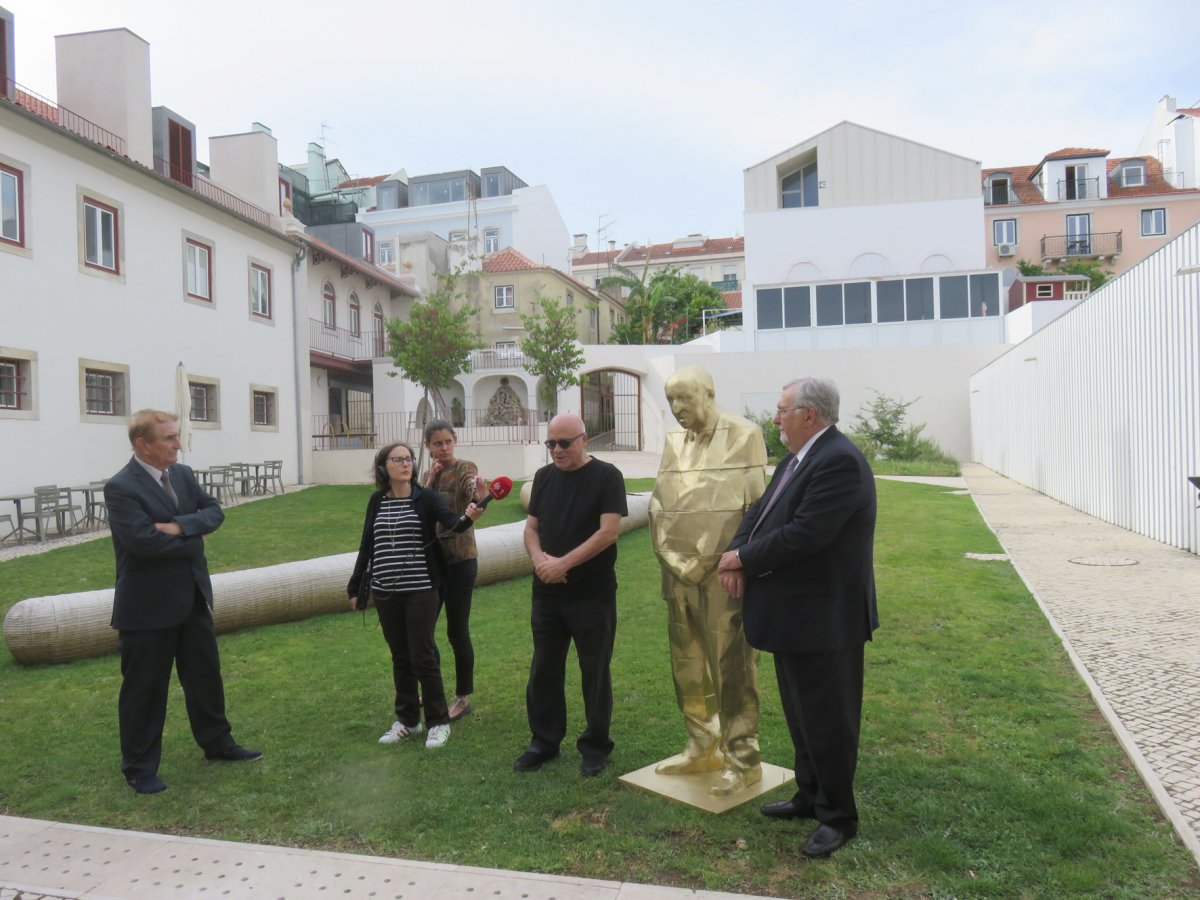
694	296
985	770
766	421
665	308
551	350
434	344
1090	268
880	432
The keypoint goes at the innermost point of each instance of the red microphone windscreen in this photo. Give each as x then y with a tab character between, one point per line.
500	487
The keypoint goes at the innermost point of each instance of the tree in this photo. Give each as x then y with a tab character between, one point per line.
1091	270
434	344
693	297
551	350
651	310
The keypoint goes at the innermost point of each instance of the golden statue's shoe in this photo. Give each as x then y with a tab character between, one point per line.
691	765
731	780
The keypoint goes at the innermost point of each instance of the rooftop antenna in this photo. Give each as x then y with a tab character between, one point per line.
602	238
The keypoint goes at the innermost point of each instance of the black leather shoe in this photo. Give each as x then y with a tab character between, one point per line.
147	784
234	754
532	760
786	809
825	841
590	768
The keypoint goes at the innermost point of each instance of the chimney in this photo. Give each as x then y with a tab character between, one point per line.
578	245
8	67
248	165
316	170
612	245
104	76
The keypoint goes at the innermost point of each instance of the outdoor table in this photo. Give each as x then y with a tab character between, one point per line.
16	500
90	519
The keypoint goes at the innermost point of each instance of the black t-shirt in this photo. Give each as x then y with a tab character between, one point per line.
568	506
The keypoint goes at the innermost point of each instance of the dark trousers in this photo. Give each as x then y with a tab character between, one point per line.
408	621
591	622
455	593
146	661
822	702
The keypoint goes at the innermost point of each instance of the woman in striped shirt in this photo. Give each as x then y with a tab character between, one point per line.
400	547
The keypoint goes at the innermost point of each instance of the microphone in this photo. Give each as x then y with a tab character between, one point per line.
497	490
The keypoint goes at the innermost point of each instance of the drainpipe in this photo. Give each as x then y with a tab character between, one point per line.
296	363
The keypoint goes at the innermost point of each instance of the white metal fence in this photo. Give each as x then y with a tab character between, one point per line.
1101	408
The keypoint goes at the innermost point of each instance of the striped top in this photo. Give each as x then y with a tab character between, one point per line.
398	561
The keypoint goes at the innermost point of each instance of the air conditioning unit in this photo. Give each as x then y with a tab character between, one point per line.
1005	249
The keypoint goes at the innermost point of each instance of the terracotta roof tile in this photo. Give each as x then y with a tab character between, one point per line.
668	252
733	299
1073	152
41	108
508	260
596	258
361	182
363	267
1193	111
1028	194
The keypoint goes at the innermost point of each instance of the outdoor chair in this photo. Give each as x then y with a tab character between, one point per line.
12	529
241	477
97	510
220	484
48	505
272	475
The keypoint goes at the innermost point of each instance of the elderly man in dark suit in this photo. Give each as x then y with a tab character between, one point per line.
159	516
802	559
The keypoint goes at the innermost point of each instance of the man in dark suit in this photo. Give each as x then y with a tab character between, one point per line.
802	558
159	516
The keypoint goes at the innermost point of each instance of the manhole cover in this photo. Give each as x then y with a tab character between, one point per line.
1103	561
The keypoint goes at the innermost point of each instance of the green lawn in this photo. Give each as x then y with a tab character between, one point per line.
986	770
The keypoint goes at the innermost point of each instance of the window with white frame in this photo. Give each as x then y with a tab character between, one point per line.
263	408
328	306
12	206
101	236
260	291
386	253
505	296
458	234
104	390
491	240
1154	221
285	197
13	391
1004	231
197	262
998	190
204	394
594	318
1044	291
1133	174
355	316
800	188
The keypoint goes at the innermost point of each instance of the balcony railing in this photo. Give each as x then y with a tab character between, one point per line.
1079	189
496	358
339	433
345	344
1065	246
38	105
728	284
205	188
999	195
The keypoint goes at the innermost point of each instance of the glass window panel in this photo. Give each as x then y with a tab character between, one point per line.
8	207
858	303
810	185
918	299
829	304
91	234
770	307
954	296
793	191
985	295
889	301
797	307
106	238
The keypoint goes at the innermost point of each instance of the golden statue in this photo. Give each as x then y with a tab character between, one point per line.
712	469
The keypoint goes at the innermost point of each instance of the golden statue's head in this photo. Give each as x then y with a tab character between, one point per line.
691	396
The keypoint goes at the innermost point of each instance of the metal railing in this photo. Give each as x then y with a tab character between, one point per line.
335	433
1078	188
1064	246
21	96
994	195
496	358
205	188
345	344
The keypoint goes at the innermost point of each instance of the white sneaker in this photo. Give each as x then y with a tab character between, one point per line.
438	735
399	732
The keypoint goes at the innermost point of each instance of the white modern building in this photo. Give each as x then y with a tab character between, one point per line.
1172	138
121	268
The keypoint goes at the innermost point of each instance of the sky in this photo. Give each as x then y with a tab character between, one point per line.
640	116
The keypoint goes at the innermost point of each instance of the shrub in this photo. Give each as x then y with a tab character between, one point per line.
880	433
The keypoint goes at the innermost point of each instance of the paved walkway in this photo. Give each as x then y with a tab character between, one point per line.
1132	630
1128	611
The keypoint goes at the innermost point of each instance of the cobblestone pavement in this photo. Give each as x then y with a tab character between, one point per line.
1128	611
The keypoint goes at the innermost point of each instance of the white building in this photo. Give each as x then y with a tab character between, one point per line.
1172	139
477	214
118	263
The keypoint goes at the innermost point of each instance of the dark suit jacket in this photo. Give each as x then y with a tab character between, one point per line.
158	574
810	578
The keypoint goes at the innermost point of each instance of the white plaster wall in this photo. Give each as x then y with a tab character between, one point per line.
247	165
1033	316
540	231
64	313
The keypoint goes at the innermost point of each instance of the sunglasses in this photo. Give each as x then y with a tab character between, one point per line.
562	443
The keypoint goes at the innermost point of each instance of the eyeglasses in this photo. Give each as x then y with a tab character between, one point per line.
780	410
401	460
563	443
